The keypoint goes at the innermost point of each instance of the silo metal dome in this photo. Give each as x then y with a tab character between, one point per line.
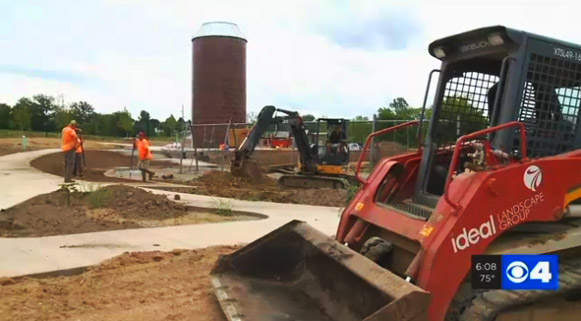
219	76
219	29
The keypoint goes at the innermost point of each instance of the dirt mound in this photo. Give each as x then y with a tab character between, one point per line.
223	184
108	208
98	162
135	203
220	179
133	286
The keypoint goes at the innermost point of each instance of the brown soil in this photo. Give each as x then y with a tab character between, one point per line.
98	162
109	208
223	184
133	286
267	157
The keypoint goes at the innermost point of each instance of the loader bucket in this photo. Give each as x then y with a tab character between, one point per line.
296	273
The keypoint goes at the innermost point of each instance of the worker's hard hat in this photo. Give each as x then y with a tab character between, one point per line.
73	122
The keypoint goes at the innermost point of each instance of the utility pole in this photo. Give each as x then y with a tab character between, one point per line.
62	96
184	123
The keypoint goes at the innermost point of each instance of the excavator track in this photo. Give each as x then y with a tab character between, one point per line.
313	181
488	305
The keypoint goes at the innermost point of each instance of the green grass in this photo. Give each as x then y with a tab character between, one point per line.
98	198
223	207
351	192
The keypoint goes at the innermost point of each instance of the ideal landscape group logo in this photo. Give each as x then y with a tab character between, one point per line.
533	177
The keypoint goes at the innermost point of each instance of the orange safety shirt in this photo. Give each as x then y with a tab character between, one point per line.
69	139
144	151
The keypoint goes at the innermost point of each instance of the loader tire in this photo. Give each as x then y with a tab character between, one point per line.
377	250
485	305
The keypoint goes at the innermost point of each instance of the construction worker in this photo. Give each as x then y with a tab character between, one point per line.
145	156
337	140
79	169
69	146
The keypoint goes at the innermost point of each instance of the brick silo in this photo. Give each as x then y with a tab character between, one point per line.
219	80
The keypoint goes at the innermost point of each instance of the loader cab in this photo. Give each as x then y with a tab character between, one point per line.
495	75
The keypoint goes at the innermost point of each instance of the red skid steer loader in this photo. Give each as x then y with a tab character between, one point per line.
499	172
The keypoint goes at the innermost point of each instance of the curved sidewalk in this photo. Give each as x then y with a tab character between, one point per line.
45	254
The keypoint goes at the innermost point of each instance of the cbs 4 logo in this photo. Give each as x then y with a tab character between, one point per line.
519	272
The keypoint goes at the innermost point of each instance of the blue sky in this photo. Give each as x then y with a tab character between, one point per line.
334	58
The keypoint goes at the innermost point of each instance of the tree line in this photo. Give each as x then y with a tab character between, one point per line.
43	113
457	115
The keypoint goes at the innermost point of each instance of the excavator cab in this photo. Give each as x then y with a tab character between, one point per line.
497	172
331	144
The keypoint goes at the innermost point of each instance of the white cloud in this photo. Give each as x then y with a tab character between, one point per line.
305	55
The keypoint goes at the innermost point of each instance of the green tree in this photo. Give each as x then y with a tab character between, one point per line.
61	117
123	122
143	123
82	112
42	109
182	124
21	114
169	125
458	117
5	116
308	117
401	111
386	113
107	125
359	129
155	125
399	104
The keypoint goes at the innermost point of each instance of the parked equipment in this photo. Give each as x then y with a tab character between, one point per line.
499	173
319	165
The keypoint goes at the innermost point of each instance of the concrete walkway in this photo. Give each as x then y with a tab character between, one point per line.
23	256
19	181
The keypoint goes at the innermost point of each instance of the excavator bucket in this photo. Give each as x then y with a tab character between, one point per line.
247	168
296	273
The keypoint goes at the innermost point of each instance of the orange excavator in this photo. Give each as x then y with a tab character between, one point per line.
499	172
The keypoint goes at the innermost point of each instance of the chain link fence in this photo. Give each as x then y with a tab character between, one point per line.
211	136
276	147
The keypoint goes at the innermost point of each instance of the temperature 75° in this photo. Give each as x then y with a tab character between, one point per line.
487	278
